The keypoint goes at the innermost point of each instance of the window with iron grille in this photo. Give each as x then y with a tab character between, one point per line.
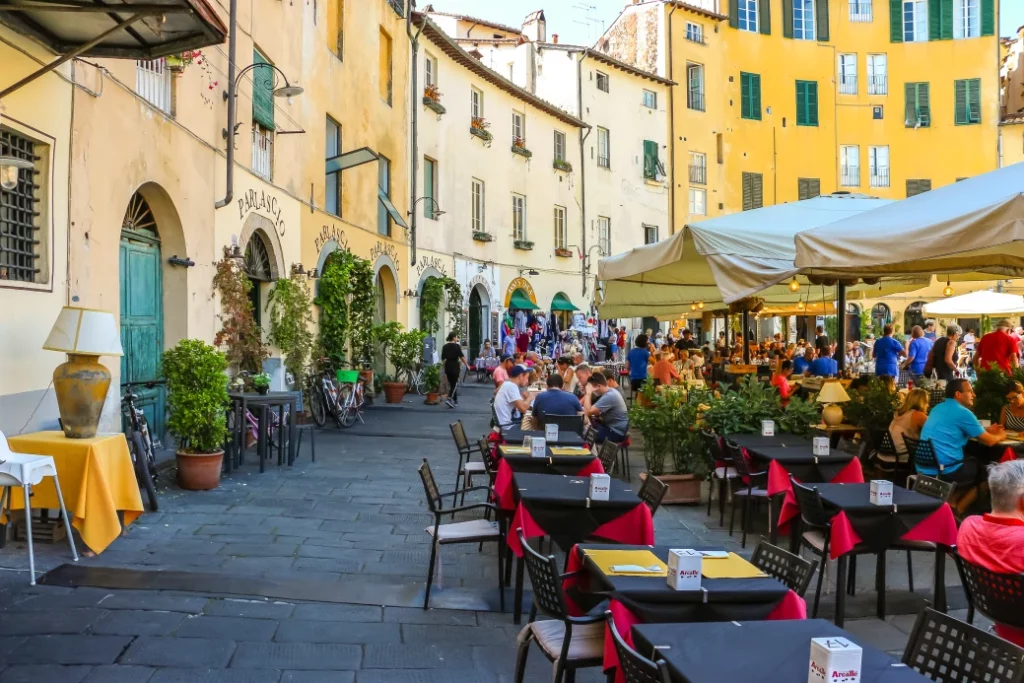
650	234
20	245
698	168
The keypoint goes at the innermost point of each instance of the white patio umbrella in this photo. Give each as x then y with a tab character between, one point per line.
977	303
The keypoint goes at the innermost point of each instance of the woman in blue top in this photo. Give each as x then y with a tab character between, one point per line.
917	354
636	363
886	353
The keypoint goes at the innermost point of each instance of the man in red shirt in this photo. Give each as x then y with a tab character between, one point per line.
998	348
995	540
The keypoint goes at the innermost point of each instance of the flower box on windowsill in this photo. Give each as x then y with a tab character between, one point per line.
525	245
562	165
483	237
522	151
481	133
434	105
564	253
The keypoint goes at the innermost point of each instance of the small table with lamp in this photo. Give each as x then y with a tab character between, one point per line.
832	394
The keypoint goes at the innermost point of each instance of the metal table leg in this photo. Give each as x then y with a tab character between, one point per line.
940	579
517	610
261	437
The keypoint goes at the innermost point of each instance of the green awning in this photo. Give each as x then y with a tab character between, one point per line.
521	301
561	303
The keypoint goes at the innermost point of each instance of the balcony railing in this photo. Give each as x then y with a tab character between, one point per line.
698	174
695	100
878	85
849	176
262	152
860	10
880	176
603	162
848	85
153	83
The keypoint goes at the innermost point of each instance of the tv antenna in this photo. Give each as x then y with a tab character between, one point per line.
590	20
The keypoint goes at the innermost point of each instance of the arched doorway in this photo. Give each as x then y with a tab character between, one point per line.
852	322
914	315
258	269
386	296
479	317
880	317
142	328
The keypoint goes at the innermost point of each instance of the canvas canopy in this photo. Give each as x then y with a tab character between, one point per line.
561	303
977	303
968	230
521	301
725	259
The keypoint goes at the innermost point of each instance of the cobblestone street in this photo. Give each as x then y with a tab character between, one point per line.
347	531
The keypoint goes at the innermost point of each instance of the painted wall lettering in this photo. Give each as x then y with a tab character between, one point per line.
382	249
435	262
263	203
328	233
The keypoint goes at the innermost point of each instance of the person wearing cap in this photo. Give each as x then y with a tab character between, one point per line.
998	348
500	373
509	403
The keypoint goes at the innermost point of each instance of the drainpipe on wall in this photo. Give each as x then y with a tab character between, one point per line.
414	40
229	184
672	132
584	134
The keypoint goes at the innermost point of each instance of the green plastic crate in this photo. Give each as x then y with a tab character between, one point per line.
348	376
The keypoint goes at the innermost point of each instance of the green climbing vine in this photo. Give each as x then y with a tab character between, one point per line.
430	304
291	318
454	305
239	334
362	306
347	300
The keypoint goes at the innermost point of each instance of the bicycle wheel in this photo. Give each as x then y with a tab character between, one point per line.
317	407
341	415
142	470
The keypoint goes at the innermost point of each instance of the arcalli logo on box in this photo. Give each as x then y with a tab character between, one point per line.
845	676
688	573
818	671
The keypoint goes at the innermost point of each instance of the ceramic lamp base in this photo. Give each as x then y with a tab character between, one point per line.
81	386
832	415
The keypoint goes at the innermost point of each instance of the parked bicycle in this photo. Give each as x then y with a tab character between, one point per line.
416	382
140	441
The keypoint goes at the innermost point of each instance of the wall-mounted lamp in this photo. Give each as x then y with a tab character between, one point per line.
10	170
185	262
411	294
298	269
529	271
314	274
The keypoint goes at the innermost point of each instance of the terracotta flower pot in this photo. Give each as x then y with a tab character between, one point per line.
683	489
394	391
433	398
199	471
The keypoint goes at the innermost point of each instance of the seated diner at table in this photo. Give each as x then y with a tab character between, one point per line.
780	380
1012	415
802	362
949	427
995	540
613	382
583	373
500	373
607	411
824	365
510	404
664	371
908	421
555	401
567	372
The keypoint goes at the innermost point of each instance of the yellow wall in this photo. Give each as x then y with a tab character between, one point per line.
1012	142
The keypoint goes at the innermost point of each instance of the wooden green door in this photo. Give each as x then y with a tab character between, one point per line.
142	333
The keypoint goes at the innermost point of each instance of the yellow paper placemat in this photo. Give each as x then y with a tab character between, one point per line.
571	450
606	559
515	450
732	567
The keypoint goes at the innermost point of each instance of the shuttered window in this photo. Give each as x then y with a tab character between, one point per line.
917	186
650	159
750	96
967	100
918	108
262	92
988	17
808	188
753	191
806	103
940	19
805	19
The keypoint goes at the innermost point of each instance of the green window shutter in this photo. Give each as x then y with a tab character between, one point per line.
910	95
801	103
734	13
895	21
650	159
787	18
764	16
934	20
262	93
946	19
744	95
988	17
923	105
960	102
972	100
821	18
812	103
755	96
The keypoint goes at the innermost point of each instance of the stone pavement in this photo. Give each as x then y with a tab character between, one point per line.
351	525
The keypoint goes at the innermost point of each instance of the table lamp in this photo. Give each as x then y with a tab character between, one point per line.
832	393
81	383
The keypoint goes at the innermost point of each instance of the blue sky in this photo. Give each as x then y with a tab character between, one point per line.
583	21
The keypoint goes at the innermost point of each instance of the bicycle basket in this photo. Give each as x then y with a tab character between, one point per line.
348	376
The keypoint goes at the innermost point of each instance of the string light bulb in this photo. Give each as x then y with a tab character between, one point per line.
693	307
800	305
947	290
794	286
700	305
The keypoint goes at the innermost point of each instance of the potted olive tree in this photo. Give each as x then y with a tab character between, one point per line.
197	400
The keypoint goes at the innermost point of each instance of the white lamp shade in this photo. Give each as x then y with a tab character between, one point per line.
85	331
832	392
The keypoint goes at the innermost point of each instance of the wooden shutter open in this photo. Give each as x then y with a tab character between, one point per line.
812	103
821	17
974	100
895	21
748	191
801	103
988	17
934	19
787	18
734	13
961	114
757	190
764	17
946	19
923	105
910	95
262	93
755	96
745	95
650	159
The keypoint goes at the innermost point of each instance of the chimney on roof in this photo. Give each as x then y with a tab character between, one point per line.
554	38
535	27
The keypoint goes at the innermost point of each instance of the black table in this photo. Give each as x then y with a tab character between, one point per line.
651	600
262	405
755	652
553	464
516	435
749	441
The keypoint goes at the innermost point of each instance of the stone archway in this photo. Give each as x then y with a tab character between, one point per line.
265	227
175	278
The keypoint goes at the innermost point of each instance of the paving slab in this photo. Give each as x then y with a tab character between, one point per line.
137	623
179	652
297	656
120	674
46	673
227	628
76	649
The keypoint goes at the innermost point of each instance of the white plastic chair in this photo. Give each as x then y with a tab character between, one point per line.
25	471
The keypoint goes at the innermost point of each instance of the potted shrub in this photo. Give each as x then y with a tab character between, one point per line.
261	383
403	352
197	401
668	423
872	407
432	382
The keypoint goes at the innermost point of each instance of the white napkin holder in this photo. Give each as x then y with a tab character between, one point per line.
527	442
538	447
600	486
551	432
820	445
684	567
767	427
834	660
881	492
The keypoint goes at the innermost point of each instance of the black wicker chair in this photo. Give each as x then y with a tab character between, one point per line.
652	492
942	648
636	668
1000	597
790	569
922	454
744	492
608	454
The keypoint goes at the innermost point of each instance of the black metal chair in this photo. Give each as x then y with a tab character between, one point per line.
751	491
590	437
471	531
790	569
567	423
942	648
466	468
1000	597
652	492
933	488
570	642
722	475
624	454
636	668
608	455
922	454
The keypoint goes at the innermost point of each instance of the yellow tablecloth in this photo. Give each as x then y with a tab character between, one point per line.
606	559
96	477
570	450
732	567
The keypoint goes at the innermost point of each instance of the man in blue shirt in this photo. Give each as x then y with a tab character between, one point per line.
917	355
555	401
636	363
949	427
802	363
886	353
824	365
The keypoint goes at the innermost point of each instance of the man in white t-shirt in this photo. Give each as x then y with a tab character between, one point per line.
509	398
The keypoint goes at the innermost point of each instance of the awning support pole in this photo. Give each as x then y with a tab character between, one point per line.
746	332
74	53
841	326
